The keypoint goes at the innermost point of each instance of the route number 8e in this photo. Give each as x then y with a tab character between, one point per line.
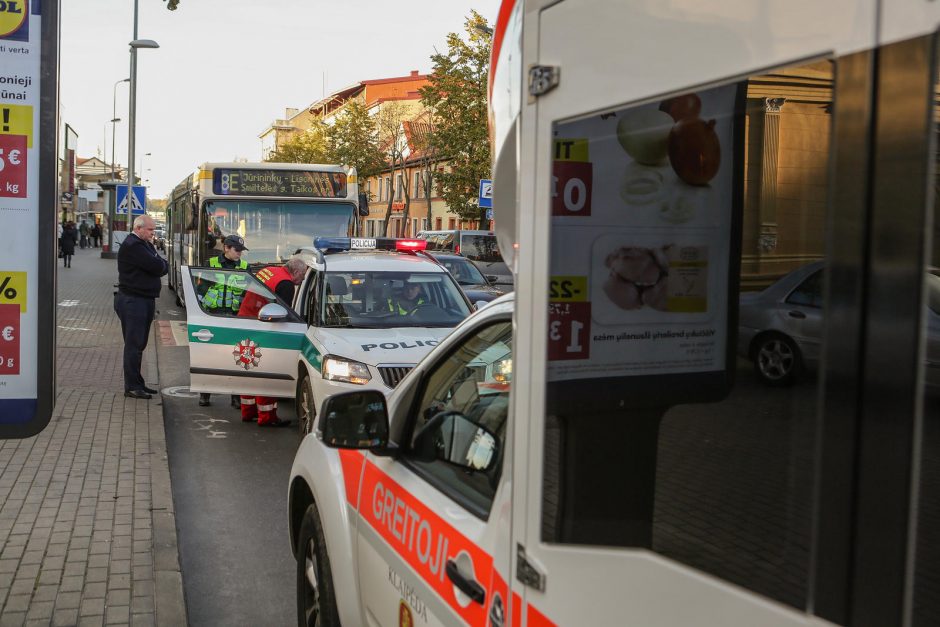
228	182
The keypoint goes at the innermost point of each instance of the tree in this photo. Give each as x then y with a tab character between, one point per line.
353	141
426	153
457	93
172	4
310	146
392	140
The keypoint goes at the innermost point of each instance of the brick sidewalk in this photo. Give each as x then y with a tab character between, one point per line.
87	525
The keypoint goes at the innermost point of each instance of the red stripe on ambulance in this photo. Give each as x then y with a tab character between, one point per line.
421	537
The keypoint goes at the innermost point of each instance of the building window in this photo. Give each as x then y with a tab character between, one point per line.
438	224
451	223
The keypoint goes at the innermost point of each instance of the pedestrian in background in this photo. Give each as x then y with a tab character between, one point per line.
280	280
139	272
83	235
96	234
225	295
67	243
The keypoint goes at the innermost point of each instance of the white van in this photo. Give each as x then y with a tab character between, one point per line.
478	246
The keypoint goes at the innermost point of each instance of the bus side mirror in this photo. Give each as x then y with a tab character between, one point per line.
363	204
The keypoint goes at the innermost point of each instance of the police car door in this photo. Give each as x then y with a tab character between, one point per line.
231	352
433	527
664	484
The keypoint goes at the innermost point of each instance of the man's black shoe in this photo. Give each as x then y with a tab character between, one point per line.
137	394
204	400
149	390
236	401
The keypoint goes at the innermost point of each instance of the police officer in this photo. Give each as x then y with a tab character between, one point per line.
228	291
409	300
139	272
280	280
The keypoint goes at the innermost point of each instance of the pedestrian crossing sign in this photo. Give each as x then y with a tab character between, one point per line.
136	201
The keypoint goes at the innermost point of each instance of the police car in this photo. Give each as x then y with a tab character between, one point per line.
398	507
367	311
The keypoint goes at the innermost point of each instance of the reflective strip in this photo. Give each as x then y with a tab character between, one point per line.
271	407
248	400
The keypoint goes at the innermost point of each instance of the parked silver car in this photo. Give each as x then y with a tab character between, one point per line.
780	328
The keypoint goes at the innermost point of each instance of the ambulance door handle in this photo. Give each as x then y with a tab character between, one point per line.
468	586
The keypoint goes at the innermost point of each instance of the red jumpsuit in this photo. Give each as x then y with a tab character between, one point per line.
264	408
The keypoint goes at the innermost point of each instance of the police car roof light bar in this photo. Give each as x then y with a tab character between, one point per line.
411	245
337	244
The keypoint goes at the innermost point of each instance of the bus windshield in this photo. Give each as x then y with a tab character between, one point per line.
274	230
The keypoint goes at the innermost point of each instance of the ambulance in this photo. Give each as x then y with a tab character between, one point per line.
345	329
592	450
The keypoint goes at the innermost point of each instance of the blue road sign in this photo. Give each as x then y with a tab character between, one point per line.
137	202
486	193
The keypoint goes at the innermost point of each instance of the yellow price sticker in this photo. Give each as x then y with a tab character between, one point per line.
17	120
568	289
571	150
13	289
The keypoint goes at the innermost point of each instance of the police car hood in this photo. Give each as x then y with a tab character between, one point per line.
382	346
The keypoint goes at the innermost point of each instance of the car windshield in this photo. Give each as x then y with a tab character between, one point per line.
385	300
480	248
463	270
274	230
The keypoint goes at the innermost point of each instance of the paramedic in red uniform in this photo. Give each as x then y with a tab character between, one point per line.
280	280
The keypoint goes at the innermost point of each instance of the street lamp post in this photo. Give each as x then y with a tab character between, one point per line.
132	109
114	120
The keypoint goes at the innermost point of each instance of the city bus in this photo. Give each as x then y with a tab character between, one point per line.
276	207
722	220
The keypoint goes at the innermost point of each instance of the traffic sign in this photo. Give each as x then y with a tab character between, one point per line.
486	193
136	201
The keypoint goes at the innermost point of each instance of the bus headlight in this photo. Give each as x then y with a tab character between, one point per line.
345	370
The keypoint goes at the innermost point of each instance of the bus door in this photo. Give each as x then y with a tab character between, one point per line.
237	344
684	226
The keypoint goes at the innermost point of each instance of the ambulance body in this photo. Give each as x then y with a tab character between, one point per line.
654	162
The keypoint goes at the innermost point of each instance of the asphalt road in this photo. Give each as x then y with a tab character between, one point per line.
230	492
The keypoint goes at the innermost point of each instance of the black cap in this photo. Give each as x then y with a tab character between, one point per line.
235	242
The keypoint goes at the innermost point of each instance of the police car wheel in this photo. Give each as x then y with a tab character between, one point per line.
316	602
306	406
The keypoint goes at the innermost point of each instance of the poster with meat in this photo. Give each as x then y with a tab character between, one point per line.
642	205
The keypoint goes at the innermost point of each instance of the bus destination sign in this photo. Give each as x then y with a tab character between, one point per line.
260	182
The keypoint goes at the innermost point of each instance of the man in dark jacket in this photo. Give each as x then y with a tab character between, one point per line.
139	272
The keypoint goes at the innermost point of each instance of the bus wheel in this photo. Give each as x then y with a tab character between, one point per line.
316	599
306	406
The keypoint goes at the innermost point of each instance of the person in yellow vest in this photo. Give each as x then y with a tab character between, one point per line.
409	300
228	291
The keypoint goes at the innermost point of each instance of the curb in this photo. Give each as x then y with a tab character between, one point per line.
169	599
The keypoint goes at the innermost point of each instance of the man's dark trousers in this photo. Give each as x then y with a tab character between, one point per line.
136	314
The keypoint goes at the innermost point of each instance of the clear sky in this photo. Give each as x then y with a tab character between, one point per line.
226	69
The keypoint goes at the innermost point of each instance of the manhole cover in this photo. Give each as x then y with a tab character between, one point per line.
180	391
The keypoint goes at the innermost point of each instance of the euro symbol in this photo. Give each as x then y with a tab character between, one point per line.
8	334
14	157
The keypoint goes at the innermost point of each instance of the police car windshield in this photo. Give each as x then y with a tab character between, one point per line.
272	229
385	300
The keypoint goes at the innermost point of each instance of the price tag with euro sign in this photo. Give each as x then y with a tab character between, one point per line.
13	166
569	319
9	339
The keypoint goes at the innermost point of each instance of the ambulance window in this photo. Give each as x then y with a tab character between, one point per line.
681	397
458	435
229	293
